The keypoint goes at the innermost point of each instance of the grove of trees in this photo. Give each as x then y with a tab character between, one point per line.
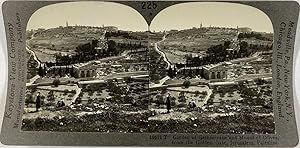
258	36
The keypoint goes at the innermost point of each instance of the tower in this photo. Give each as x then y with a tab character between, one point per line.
67	24
201	25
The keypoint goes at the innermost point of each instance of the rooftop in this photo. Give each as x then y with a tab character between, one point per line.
211	66
79	65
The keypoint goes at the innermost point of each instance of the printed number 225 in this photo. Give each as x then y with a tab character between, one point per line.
149	5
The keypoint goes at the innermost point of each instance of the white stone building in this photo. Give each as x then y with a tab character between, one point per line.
216	71
85	70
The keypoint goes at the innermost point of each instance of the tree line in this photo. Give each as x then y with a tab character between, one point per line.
219	53
57	71
258	36
87	52
120	34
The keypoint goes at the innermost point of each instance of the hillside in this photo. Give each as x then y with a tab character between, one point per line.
46	43
64	38
177	45
194	41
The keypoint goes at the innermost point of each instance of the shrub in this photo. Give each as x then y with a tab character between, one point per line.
181	94
197	93
173	98
182	99
156	81
182	105
73	91
90	93
160	99
155	77
66	91
78	100
56	82
186	84
33	89
51	98
222	94
42	100
50	104
212	95
210	101
29	99
173	103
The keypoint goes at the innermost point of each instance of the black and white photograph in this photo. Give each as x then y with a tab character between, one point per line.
199	67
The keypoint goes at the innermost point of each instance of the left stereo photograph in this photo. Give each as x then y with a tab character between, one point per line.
87	69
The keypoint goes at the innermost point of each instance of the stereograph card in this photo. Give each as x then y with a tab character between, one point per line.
150	73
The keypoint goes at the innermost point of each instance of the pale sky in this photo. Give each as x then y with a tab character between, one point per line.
188	15
180	16
89	14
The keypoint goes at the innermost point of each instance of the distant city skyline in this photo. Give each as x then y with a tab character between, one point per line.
76	25
178	17
88	14
219	14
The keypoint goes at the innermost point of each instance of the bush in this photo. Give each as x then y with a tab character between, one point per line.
222	95
51	98
42	100
155	77
71	95
50	104
182	99
56	82
156	81
161	100
78	100
90	93
33	89
29	99
173	103
66	91
182	105
186	84
210	101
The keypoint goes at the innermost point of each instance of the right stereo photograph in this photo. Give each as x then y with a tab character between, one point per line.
211	70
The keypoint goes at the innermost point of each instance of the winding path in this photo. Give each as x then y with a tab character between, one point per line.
163	80
78	91
163	55
34	56
32	80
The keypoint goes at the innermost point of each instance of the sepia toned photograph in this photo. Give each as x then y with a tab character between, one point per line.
87	69
211	70
150	73
199	67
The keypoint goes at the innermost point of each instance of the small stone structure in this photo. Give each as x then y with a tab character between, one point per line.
85	70
218	71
